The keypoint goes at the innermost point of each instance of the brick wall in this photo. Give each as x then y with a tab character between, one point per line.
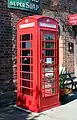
68	5
66	59
8	19
60	11
60	5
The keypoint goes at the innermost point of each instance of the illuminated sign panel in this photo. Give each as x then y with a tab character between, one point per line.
27	25
29	5
47	25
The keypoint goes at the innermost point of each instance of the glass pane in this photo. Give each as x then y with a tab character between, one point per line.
26	76
49	76
26	68
26	37
48	67
26	60
49	84
26	91
26	83
49	45
26	44
49	52
49	60
26	53
49	36
48	70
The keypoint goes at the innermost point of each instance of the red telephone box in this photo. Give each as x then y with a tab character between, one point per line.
37	63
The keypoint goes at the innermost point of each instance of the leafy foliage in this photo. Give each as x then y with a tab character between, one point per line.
62	79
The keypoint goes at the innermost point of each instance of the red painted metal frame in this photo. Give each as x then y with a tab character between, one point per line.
52	100
31	97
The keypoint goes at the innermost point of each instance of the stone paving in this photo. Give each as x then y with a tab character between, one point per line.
63	112
12	113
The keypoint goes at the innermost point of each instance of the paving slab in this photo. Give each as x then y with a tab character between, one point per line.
12	113
64	112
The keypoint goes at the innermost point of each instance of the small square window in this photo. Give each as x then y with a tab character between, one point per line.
26	44
26	37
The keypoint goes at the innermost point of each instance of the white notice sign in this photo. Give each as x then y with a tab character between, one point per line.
27	25
47	25
49	60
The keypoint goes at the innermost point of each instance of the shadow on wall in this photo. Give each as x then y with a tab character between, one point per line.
6	65
8	19
7	62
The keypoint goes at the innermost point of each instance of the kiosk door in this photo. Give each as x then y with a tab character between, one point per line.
26	59
49	68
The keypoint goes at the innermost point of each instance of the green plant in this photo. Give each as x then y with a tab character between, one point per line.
62	79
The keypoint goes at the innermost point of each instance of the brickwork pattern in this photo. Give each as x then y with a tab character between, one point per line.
68	58
68	5
8	20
